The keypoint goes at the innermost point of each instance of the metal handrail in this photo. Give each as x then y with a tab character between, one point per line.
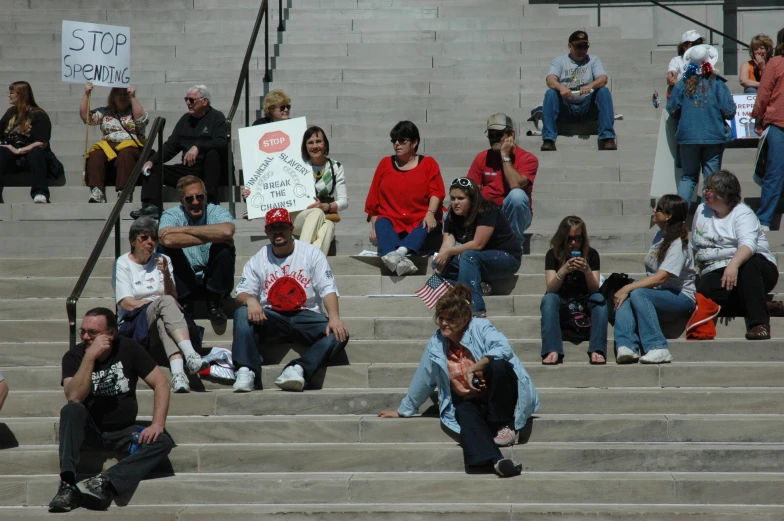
243	83
692	20
113	221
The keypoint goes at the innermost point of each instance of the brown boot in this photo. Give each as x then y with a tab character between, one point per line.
608	144
548	145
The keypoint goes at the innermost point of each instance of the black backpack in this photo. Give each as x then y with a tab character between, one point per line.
611	285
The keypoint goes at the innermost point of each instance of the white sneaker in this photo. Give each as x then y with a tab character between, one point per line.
40	198
291	379
656	356
765	228
244	380
391	260
179	383
96	195
406	267
626	356
195	363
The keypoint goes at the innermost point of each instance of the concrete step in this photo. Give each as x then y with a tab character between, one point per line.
369	429
440	457
571	375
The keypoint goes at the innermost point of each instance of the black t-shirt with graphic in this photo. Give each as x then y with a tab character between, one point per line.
112	399
502	238
574	283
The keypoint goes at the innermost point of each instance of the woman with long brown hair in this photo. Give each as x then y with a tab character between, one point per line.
25	131
667	292
484	393
571	274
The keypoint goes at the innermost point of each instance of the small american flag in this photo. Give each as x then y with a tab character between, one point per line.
433	289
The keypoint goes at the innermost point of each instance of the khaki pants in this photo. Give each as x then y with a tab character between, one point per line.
312	227
163	317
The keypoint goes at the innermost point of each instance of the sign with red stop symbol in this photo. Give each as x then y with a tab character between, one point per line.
272	142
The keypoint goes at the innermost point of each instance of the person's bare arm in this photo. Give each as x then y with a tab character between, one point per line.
78	387
3	393
185	236
160	405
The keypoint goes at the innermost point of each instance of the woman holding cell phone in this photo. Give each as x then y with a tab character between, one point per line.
572	272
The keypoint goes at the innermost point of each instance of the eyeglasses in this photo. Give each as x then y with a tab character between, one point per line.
189	198
92	333
145	237
448	321
462	182
401	140
188	100
574	238
581	46
283	107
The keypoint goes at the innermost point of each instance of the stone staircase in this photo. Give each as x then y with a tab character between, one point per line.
699	439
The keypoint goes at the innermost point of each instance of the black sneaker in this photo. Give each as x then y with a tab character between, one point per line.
94	493
507	468
215	312
66	499
148	209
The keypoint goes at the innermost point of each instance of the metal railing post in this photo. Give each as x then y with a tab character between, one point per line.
281	27
599	13
117	238
230	170
247	98
267	77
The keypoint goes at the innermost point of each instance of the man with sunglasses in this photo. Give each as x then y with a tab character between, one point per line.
505	174
198	237
99	377
200	135
577	92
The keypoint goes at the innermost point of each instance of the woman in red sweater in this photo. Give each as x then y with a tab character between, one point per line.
404	201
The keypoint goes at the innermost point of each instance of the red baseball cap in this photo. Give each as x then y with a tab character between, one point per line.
278	215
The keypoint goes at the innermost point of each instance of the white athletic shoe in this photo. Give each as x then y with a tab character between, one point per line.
40	198
179	383
406	267
626	356
96	195
291	379
391	260
244	380
195	363
656	356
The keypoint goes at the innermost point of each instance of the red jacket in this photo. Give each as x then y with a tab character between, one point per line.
404	197
770	95
487	172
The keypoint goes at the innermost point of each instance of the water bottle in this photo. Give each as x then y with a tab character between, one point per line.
135	441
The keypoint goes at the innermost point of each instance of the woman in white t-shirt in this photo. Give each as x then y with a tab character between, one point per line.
668	291
737	270
678	65
144	277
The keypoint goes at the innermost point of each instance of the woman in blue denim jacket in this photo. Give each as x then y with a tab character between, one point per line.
484	393
701	102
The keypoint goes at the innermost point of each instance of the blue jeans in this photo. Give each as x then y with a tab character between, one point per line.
773	181
637	320
300	327
389	240
597	106
517	210
552	341
475	266
693	159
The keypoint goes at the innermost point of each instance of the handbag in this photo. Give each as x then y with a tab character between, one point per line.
611	285
575	316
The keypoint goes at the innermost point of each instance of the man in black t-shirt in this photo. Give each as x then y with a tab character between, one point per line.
99	377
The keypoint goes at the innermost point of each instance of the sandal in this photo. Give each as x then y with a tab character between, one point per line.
596	358
758	332
552	359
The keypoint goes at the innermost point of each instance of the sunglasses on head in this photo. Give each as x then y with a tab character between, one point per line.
462	182
284	107
191	100
198	197
574	238
401	140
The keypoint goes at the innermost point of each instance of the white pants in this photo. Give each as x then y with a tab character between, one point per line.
313	227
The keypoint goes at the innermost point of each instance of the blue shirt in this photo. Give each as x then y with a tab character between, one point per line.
198	255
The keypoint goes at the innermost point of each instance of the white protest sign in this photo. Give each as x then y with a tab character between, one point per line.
273	167
97	53
743	124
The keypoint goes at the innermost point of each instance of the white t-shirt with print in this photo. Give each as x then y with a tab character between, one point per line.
678	66
716	240
141	282
299	281
678	261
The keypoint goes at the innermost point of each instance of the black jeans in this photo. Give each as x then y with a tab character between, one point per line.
77	428
479	422
756	278
33	162
208	169
218	278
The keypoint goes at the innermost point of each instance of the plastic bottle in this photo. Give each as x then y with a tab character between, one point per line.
135	444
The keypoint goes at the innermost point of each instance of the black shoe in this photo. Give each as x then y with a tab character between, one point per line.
66	499
507	468
148	209
94	493
215	312
548	145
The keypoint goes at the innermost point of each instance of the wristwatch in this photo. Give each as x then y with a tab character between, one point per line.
506	159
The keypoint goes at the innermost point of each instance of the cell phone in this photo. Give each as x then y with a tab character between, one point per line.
476	382
576	254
